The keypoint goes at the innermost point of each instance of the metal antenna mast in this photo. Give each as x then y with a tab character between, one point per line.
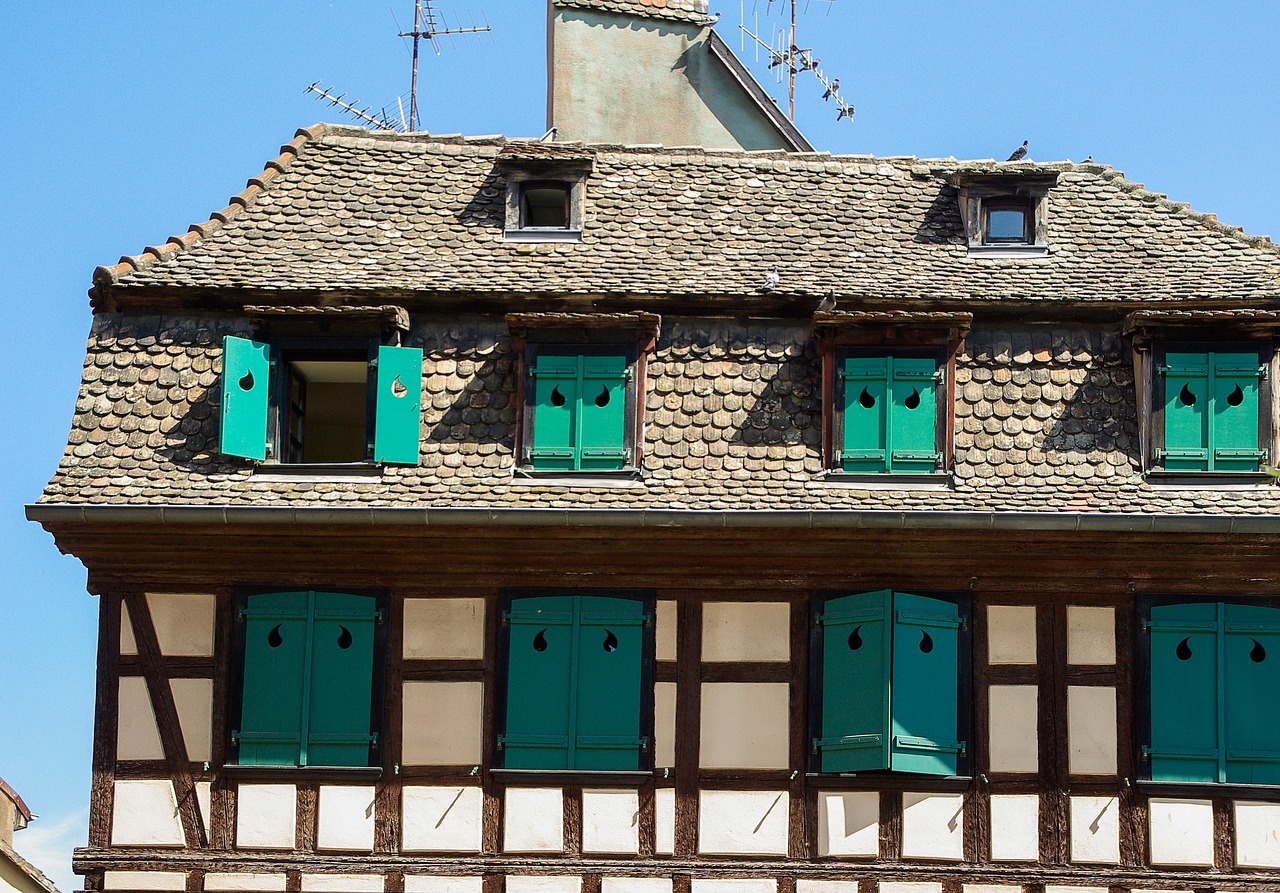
797	61
427	27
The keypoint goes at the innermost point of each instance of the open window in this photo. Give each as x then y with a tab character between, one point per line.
545	191
891	683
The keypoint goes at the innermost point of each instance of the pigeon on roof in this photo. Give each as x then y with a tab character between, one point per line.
832	90
1019	153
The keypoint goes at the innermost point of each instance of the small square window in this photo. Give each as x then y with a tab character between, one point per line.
542	208
1005	215
545	204
1007	221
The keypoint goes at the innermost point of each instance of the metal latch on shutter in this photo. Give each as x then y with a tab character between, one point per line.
848	742
927	744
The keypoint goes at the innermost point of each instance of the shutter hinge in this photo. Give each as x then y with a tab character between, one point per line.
377	617
939	376
235	737
242	613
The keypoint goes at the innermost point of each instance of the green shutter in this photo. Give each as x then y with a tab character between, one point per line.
1251	659
926	660
341	680
913	416
540	677
866	415
603	414
398	413
555	413
856	648
1234	424
246	379
275	657
609	662
1185	710
1186	412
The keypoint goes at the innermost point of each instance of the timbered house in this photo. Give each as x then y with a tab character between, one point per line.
484	515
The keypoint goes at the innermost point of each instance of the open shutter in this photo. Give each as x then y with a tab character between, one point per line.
1186	412
246	379
610	657
1234	424
342	633
926	662
913	415
1184	693
603	417
555	412
272	717
866	415
1251	658
856	650
540	675
398	411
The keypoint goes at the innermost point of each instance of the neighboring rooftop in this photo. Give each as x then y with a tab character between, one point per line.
689	11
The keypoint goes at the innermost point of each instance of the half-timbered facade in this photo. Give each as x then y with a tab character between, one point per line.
494	515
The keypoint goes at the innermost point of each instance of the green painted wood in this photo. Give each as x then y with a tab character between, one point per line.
246	379
398	411
925	687
610	660
866	415
856	653
1186	412
342	637
912	444
603	413
555	412
1234	420
272	717
1251	652
1185	695
540	683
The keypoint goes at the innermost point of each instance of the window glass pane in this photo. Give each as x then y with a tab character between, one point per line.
1006	225
546	206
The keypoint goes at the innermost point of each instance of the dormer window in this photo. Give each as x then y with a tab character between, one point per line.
1007	221
546	191
545	204
1005	214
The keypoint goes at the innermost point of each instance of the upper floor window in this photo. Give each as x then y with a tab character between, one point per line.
888	414
1210	405
1007	220
545	204
1005	214
580	411
545	191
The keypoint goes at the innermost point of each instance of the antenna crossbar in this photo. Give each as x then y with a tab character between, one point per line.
794	60
379	120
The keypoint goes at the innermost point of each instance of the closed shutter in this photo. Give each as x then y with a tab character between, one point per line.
913	416
1234	424
1186	412
272	715
856	650
555	413
866	415
610	653
926	660
398	410
1251	658
1185	708
540	676
603	395
246	379
338	723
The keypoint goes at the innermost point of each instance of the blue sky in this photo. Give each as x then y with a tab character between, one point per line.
125	122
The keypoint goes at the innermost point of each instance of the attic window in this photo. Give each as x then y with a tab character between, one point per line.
1005	215
545	204
1007	221
545	199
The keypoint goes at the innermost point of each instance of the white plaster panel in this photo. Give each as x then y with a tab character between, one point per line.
932	826
635	885
811	886
910	887
665	630
1181	831
664	724
203	796
144	880
342	883
444	628
442	723
610	821
442	819
1011	634
534	820
1095	830
266	816
548	884
194	700
137	735
128	645
439	884
849	823
1014	727
233	882
1015	827
734	885
1091	729
1091	636
754	631
184	623
665	820
744	725
346	818
743	822
145	813
1257	834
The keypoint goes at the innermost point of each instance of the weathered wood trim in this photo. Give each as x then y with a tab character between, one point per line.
389	789
446	670
166	714
665	671
572	820
491	807
891	826
977	836
173	667
106	721
393	882
1133	814
688	724
1055	838
1224	854
801	829
307	818
222	793
647	812
747	671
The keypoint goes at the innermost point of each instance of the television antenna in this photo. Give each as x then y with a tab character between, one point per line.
789	59
377	118
426	26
